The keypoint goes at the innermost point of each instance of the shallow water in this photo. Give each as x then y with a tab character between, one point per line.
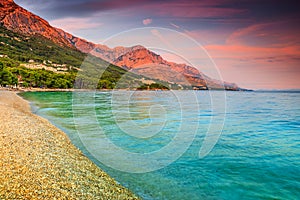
257	156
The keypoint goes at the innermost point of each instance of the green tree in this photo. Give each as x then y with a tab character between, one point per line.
1	66
7	78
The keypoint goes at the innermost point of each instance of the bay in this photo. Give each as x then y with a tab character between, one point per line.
257	140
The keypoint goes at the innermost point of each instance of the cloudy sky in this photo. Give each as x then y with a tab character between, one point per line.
254	43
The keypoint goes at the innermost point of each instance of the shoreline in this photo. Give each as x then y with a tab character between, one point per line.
103	90
38	160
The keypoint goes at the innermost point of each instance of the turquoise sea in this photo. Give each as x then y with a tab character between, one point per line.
255	138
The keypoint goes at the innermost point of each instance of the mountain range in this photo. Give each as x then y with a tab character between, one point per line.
136	59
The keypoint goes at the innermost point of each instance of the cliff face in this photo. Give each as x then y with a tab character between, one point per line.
137	58
6	7
17	19
144	62
111	54
140	57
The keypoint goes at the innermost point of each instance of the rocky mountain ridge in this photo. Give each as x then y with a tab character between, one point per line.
17	19
147	63
137	59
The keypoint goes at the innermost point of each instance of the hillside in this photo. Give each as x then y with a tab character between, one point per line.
144	62
137	59
19	51
19	20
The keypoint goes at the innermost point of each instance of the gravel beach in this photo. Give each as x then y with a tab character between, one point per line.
38	161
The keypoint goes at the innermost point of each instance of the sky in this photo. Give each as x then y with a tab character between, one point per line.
254	43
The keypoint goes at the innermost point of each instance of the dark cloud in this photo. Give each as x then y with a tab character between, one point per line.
266	9
257	9
77	8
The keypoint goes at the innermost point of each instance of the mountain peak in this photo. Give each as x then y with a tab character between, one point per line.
6	2
18	19
6	6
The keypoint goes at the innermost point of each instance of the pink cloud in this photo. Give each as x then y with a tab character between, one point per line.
275	34
71	24
175	26
237	51
235	36
147	21
258	67
190	9
204	37
257	56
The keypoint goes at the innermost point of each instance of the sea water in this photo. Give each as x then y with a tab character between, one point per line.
254	152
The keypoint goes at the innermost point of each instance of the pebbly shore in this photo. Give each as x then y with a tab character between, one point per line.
38	161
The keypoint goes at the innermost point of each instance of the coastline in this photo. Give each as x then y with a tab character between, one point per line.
38	160
104	90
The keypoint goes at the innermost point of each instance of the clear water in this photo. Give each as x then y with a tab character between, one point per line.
256	157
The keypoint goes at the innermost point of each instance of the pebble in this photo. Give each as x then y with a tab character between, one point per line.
38	161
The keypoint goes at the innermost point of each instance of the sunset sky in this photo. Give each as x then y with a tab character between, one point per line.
254	43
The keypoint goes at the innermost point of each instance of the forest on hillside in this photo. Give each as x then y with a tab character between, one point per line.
17	49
